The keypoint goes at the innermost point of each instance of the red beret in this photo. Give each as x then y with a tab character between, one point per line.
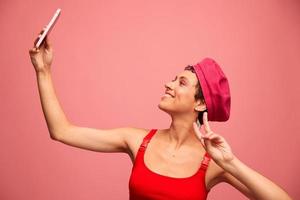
215	88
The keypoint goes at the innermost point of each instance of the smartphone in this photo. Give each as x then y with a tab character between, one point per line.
48	28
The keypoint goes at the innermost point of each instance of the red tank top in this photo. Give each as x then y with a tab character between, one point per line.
145	184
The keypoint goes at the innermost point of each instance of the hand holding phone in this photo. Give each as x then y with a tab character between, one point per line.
47	29
41	58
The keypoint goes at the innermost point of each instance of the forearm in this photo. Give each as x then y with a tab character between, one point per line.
54	115
260	187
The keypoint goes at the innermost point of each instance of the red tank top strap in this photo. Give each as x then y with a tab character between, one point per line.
147	139
205	161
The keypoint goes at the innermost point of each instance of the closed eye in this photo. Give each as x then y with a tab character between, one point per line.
181	82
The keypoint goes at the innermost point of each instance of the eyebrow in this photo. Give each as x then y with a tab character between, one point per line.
183	77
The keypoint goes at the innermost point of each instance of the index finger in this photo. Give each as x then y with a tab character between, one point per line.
205	123
40	34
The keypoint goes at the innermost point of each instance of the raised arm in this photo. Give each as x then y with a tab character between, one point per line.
60	129
41	59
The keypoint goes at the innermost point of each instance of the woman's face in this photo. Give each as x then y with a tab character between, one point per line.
179	97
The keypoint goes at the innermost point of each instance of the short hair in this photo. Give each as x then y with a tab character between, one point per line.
198	93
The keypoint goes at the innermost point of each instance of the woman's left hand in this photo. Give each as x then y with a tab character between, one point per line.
214	144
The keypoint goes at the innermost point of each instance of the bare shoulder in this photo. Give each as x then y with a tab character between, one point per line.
134	137
133	133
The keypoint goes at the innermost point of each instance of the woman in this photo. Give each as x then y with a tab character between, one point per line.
180	162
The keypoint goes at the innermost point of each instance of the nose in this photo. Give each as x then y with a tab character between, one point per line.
169	85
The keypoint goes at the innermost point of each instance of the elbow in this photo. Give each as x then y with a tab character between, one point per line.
58	134
54	137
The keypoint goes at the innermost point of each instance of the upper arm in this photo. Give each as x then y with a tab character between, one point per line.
228	178
101	140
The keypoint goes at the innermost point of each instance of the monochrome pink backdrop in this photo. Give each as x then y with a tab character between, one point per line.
111	61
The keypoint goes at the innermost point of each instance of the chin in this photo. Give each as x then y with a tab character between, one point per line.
164	107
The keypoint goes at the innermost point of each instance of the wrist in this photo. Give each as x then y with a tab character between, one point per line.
44	72
230	165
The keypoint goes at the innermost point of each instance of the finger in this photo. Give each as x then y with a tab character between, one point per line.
205	123
43	45
199	134
33	51
42	31
214	137
204	134
40	34
197	130
203	143
47	43
207	135
35	41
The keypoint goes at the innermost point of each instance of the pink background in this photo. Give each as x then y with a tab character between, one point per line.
111	61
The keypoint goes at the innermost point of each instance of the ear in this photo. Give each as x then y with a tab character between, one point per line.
200	106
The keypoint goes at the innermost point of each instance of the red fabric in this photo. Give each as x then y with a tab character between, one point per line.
215	89
145	184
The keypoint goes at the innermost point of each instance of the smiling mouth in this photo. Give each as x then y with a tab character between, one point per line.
167	95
